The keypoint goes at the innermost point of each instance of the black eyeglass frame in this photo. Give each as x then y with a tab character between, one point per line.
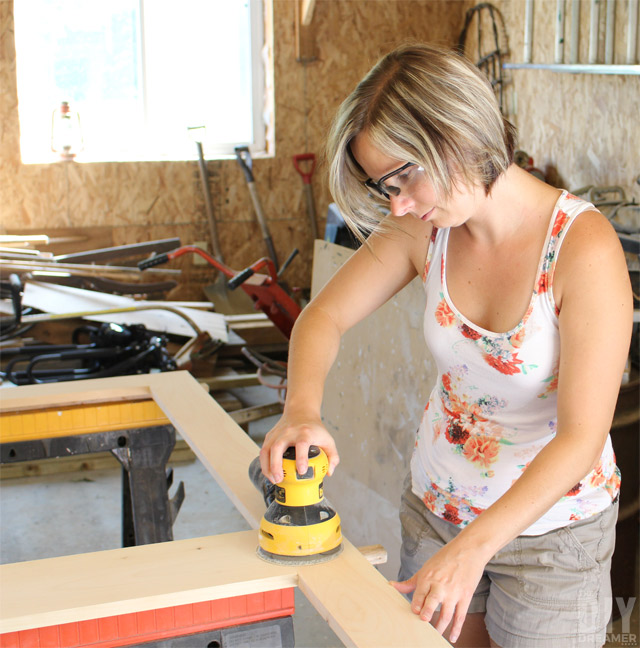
381	188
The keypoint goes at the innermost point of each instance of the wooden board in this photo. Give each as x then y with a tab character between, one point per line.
66	240
354	598
135	579
56	299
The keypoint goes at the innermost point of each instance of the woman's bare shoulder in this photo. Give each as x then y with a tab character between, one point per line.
590	255
590	234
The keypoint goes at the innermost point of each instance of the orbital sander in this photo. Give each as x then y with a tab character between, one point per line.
299	526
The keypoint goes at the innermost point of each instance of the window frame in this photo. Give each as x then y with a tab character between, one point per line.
261	90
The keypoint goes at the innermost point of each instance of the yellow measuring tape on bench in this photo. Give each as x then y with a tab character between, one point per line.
50	422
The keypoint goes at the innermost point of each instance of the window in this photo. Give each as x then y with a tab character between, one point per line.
140	74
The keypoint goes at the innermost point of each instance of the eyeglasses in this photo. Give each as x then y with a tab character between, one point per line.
407	179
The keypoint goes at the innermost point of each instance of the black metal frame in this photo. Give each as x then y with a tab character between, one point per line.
147	512
263	634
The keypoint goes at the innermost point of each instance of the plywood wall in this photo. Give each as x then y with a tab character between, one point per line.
143	201
581	129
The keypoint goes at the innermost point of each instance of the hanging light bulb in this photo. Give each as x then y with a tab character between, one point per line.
66	133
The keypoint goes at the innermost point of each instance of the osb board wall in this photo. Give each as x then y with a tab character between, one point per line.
374	397
143	201
580	129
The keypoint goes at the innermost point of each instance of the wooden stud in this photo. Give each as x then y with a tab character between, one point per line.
632	32
559	44
306	49
308	7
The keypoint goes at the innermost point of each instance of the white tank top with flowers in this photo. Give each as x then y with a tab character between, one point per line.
494	404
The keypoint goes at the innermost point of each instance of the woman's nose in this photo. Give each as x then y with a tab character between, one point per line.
400	205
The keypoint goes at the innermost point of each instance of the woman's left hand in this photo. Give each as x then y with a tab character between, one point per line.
449	579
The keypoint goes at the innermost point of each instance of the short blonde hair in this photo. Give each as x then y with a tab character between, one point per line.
424	104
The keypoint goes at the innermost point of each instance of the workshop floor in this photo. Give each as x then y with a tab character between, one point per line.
42	517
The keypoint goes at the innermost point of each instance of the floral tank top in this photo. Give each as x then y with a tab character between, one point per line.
494	404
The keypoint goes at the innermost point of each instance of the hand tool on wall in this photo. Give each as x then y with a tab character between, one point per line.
206	191
299	527
246	164
308	190
224	301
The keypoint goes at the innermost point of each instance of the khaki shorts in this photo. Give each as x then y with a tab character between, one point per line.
551	590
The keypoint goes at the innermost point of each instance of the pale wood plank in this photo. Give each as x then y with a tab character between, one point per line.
221	445
230	381
360	605
123	388
58	300
68	589
64	240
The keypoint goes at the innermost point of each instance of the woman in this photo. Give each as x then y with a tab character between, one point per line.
508	520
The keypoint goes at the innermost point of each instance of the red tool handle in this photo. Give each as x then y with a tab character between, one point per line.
157	259
305	157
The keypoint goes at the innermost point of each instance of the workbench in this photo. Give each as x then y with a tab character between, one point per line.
348	592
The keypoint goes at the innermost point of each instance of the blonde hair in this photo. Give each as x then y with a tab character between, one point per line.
422	104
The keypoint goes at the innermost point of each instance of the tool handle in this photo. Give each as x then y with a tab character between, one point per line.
311	211
153	261
15	285
244	160
271	250
257	205
204	178
254	268
240	278
290	258
305	157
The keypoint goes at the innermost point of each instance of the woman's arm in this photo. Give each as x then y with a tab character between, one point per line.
366	281
592	290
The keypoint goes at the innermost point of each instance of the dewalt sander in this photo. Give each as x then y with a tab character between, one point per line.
299	526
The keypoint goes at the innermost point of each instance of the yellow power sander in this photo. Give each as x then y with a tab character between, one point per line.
299	526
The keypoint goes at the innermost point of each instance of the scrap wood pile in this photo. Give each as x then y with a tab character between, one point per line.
90	269
119	332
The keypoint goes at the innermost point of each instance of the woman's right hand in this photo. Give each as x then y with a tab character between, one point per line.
301	430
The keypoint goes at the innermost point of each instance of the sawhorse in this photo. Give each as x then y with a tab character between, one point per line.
138	434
